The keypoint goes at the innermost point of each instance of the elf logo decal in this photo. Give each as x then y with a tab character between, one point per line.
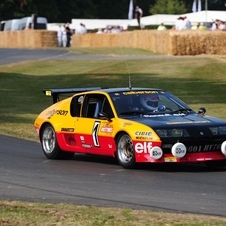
144	147
95	134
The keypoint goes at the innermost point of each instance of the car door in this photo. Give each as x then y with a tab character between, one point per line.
95	133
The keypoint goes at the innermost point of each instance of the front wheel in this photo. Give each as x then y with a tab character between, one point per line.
125	151
50	145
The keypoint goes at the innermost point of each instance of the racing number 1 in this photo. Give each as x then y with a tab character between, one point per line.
95	134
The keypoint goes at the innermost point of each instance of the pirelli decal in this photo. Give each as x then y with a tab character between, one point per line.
95	134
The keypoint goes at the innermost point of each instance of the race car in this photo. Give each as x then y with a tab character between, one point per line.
133	125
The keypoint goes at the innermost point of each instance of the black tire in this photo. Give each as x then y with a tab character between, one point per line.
125	151
215	164
50	145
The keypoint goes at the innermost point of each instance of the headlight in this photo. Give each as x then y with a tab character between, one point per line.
172	133
221	130
177	132
214	130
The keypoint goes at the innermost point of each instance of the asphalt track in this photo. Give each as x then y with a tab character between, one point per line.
25	174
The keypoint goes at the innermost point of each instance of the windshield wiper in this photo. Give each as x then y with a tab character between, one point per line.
131	113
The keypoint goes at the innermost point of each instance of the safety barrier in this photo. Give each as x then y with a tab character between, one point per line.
168	42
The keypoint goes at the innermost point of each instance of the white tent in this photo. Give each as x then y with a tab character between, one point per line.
91	24
206	16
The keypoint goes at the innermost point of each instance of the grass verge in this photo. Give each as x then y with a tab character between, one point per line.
199	81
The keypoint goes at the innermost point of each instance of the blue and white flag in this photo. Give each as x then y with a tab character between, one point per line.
130	14
199	6
194	9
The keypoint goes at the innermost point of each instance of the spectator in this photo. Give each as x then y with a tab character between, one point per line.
99	31
199	26
68	32
214	26
187	23
138	14
60	36
221	25
179	25
161	27
195	27
64	37
83	28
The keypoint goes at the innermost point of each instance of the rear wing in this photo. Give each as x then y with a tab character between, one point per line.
55	93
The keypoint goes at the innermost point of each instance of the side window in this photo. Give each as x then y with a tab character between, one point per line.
75	106
89	108
94	104
107	108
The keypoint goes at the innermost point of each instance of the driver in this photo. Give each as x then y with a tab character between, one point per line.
150	102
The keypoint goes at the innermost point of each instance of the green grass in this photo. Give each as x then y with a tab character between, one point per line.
199	81
112	51
24	214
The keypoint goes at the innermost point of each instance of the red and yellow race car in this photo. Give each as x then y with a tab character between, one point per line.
131	124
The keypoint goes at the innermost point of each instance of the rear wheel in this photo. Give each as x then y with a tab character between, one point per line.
215	164
50	145
125	151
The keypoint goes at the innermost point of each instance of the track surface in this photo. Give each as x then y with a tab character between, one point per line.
25	174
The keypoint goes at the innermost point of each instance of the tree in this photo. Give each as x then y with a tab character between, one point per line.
168	7
11	9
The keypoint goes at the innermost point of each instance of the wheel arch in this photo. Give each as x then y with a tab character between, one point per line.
42	127
118	134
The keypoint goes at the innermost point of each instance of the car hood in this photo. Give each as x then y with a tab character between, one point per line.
178	120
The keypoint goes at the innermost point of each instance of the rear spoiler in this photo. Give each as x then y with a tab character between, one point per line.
55	93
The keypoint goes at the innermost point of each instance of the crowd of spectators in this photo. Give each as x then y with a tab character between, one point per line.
183	23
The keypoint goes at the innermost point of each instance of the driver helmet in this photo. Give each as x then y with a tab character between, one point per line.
150	102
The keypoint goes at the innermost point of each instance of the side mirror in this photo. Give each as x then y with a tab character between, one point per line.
103	115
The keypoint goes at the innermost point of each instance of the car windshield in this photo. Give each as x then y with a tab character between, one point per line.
148	102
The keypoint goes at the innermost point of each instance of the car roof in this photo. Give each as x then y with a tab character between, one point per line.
123	89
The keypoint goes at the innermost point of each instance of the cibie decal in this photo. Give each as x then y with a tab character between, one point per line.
144	147
143	133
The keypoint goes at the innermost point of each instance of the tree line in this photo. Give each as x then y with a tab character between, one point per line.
63	11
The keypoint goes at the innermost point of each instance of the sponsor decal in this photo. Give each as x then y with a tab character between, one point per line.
143	133
110	145
164	115
192	122
143	147
170	159
56	112
107	128
50	113
140	92
127	124
82	139
87	145
61	112
67	129
143	138
156	153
